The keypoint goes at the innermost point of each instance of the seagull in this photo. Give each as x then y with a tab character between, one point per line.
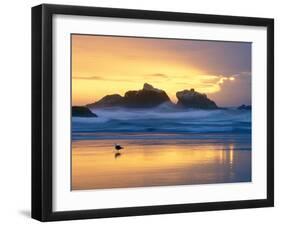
118	147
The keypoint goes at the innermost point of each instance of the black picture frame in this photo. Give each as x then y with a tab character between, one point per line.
42	111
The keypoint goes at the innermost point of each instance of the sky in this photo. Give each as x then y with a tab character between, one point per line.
103	65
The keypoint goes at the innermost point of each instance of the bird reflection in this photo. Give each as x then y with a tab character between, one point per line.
117	155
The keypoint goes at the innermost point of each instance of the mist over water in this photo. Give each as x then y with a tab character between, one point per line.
164	120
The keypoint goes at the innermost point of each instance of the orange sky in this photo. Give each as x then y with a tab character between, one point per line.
103	65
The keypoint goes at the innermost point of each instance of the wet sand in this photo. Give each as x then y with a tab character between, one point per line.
189	159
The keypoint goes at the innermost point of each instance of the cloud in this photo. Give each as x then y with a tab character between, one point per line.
234	91
99	78
159	75
88	78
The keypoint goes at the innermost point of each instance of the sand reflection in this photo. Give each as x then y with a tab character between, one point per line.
95	164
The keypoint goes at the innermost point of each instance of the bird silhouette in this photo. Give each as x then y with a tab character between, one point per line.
118	147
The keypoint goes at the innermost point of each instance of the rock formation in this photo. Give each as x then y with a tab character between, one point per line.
113	100
145	98
81	111
192	99
245	107
149	97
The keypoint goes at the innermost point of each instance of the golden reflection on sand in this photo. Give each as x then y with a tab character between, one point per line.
95	164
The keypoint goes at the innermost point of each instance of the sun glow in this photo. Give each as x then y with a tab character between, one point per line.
103	65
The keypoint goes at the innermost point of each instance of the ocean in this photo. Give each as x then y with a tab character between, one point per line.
163	146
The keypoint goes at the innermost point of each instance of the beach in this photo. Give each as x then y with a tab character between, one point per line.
159	159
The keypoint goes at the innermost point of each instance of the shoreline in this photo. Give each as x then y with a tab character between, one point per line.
150	162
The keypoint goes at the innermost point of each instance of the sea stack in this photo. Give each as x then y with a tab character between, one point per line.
147	97
81	111
192	99
245	107
113	100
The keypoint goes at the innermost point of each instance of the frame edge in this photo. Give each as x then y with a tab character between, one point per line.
270	112
41	192
42	119
36	156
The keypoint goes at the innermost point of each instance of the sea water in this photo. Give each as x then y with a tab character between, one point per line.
162	146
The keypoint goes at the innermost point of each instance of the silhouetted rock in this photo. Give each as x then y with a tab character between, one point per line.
192	99
245	107
81	111
108	101
145	98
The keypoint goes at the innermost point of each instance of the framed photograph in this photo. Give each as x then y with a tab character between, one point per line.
140	112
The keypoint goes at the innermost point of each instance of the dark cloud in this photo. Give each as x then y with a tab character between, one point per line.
238	91
160	75
88	78
214	57
100	79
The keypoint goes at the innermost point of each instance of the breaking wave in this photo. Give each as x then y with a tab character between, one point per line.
164	119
